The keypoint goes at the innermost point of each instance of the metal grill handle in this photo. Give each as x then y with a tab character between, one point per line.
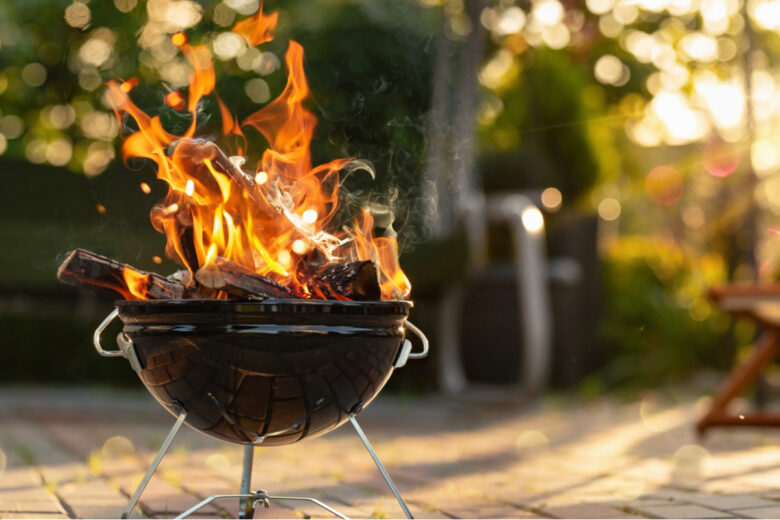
418	355
99	331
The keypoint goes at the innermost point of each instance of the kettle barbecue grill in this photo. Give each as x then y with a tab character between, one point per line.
262	373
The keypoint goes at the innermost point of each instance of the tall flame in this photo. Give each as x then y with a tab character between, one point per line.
269	221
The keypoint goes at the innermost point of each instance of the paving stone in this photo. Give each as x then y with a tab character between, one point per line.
161	495
4	514
493	510
448	457
686	511
760	512
29	499
96	507
731	502
19	478
588	511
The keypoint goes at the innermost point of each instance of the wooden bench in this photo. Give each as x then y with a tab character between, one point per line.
760	303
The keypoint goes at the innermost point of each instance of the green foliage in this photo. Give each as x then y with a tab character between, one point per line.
372	102
369	66
540	138
656	325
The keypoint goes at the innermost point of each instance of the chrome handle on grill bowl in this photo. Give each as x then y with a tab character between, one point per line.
406	350
99	330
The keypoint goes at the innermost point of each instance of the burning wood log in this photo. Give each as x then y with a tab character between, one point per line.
354	280
236	280
86	269
192	155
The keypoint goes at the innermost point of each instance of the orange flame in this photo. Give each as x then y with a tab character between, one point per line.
258	29
136	283
270	220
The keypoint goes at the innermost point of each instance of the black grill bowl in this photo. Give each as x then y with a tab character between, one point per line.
269	372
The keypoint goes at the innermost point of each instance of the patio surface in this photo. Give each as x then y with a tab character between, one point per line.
80	452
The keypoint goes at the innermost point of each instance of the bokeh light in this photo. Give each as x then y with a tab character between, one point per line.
610	209
228	45
34	74
218	462
691	464
611	71
257	90
78	15
552	199
531	440
510	21
11	126
533	220
244	7
664	185
59	152
116	447
125	6
719	158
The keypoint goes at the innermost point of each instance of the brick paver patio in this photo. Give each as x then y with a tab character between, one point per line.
80	452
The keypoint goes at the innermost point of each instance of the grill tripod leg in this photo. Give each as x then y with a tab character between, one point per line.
246	507
379	466
156	462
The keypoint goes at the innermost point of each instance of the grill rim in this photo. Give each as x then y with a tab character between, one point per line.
265	307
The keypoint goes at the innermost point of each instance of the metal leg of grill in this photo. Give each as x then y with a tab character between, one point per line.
379	465
260	497
156	462
246	507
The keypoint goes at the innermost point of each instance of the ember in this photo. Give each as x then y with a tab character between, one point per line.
265	234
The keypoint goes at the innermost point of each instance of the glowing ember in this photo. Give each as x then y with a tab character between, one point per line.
175	100
128	85
272	220
146	188
179	39
299	247
173	208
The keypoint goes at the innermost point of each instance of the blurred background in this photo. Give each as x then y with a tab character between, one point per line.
567	178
